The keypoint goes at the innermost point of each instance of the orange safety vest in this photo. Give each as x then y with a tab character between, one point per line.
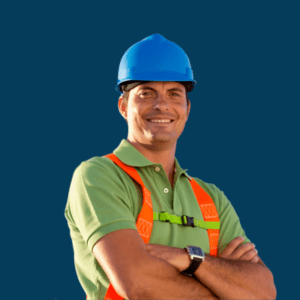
144	221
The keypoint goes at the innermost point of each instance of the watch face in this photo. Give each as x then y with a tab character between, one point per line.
196	252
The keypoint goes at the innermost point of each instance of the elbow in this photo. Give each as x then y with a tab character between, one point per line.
124	284
144	285
263	286
138	290
272	288
133	292
270	291
273	292
133	286
121	290
127	290
269	295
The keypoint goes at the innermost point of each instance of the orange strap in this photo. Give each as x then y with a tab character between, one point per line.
209	213
144	222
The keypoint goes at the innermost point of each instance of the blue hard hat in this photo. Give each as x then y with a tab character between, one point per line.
155	59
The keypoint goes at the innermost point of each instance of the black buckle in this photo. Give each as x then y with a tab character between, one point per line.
189	221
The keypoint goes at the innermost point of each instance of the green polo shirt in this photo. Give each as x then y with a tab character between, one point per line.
103	198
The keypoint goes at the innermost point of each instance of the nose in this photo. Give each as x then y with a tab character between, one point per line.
161	103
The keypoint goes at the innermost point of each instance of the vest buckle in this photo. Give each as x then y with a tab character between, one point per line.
187	221
164	216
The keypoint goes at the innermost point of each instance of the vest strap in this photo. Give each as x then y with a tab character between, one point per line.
184	220
144	222
209	213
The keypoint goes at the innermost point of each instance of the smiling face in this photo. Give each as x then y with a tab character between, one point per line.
156	113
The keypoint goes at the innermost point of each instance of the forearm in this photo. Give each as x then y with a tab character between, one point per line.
160	280
232	279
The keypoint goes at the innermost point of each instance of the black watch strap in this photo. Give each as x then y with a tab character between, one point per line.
197	256
195	263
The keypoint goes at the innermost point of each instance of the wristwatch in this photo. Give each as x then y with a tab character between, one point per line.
197	257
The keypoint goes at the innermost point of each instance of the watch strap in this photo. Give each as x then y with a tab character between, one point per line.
195	262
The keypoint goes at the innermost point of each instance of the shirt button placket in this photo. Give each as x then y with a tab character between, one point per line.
166	190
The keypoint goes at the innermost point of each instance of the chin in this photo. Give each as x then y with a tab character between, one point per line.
163	141
161	138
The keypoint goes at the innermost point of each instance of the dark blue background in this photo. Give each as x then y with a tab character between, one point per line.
59	71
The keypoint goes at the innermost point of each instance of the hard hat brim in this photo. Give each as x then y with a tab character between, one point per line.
181	79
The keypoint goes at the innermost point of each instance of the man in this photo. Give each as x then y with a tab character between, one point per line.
114	257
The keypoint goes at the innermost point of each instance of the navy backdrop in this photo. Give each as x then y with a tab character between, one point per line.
59	67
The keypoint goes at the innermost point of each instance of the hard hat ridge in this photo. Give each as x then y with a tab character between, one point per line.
155	59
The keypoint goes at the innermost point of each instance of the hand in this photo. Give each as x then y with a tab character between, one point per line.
236	251
177	257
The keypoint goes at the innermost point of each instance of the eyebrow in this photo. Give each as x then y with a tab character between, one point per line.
150	88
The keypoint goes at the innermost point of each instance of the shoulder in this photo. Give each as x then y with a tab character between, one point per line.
98	167
215	193
101	174
96	163
209	188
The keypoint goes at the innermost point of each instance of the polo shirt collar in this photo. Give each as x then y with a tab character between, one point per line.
129	155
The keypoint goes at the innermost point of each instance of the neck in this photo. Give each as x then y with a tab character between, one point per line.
159	154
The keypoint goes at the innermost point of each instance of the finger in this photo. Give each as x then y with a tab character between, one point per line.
255	259
248	256
242	250
231	247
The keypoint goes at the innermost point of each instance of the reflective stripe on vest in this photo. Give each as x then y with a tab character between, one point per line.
144	222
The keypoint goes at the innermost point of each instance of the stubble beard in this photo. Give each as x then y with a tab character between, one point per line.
159	141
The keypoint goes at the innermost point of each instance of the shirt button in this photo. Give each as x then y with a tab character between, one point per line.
166	190
157	169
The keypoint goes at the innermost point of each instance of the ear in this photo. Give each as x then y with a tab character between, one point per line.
188	109
122	107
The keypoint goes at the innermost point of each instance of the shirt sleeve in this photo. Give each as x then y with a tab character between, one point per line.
98	202
230	225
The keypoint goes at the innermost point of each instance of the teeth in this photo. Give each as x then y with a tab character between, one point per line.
160	121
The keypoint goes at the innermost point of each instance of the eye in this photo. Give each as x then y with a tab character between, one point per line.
146	94
176	95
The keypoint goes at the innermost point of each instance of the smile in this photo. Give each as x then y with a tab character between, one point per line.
160	120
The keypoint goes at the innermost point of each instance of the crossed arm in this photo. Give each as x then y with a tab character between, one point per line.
140	271
238	273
